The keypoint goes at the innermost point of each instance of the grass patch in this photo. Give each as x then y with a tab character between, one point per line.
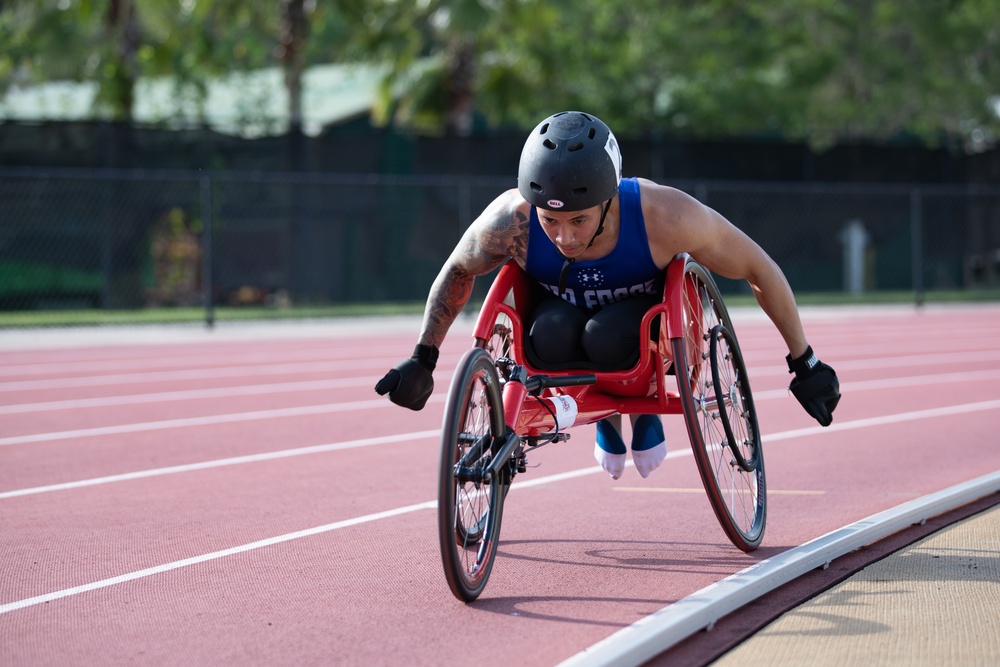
96	317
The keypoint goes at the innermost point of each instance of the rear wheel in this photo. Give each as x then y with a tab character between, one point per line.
470	502
719	411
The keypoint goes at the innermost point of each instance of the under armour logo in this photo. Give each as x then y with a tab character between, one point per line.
593	277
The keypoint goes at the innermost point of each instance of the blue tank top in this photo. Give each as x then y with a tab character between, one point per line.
592	284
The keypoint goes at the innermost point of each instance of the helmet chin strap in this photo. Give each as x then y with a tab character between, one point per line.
564	271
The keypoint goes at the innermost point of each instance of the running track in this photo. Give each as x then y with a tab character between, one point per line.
243	497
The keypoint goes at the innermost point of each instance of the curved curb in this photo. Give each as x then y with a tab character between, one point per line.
669	626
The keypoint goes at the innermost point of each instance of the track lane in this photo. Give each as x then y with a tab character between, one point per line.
126	448
587	568
578	578
211	488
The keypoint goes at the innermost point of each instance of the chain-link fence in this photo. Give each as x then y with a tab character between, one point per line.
866	238
117	240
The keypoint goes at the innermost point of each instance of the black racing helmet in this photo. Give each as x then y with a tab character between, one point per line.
570	162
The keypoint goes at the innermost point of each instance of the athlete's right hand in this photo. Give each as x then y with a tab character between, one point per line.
410	383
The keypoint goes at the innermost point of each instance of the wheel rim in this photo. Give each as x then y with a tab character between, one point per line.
473	498
737	494
469	503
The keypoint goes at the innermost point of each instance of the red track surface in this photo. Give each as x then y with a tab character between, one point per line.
228	500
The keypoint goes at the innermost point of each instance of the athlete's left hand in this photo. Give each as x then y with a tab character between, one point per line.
815	385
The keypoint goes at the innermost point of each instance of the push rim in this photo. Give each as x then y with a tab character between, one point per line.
737	495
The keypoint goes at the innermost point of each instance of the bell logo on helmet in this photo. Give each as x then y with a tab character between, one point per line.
555	203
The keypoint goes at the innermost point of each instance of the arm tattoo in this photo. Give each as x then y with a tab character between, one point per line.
505	238
486	245
450	292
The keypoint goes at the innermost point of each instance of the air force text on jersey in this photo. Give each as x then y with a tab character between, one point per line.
595	299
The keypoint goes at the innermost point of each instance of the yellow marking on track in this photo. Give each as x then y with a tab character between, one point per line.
791	492
661	489
657	489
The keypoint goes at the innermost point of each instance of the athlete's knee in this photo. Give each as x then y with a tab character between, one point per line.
611	337
555	332
606	345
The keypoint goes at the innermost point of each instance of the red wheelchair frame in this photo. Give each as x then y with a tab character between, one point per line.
500	407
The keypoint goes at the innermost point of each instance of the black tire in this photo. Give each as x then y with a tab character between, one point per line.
469	507
724	435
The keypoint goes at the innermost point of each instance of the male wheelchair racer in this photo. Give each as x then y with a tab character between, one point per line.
501	406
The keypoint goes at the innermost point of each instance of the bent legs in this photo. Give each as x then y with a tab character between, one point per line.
561	333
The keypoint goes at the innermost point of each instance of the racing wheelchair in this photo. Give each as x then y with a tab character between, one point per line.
500	407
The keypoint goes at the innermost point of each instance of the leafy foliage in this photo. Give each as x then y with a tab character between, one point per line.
823	70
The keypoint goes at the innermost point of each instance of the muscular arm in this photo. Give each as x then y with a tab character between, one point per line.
713	241
499	233
776	299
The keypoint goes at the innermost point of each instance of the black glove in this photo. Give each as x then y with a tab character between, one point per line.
409	383
815	386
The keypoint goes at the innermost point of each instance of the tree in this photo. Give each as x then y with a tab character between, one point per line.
441	33
822	70
293	33
115	42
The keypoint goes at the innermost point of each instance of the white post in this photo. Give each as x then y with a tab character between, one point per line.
855	239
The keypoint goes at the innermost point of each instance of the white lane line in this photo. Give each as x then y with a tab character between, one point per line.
775	437
909	381
432	504
260	544
212	373
908	361
149	359
768	370
652	635
190	374
364	381
916	415
186	395
891	383
887	383
204	421
281	454
765	438
195	560
220	463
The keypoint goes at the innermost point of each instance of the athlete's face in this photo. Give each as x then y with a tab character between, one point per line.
570	231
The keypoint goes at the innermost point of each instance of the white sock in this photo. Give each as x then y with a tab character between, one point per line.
614	464
648	460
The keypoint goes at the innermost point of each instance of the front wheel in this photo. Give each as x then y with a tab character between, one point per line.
719	411
470	502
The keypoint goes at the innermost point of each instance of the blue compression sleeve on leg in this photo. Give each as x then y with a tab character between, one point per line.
608	438
647	432
649	446
610	449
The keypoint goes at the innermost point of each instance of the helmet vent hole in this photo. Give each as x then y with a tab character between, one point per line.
535	187
545	128
575	147
551	145
592	133
579	191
